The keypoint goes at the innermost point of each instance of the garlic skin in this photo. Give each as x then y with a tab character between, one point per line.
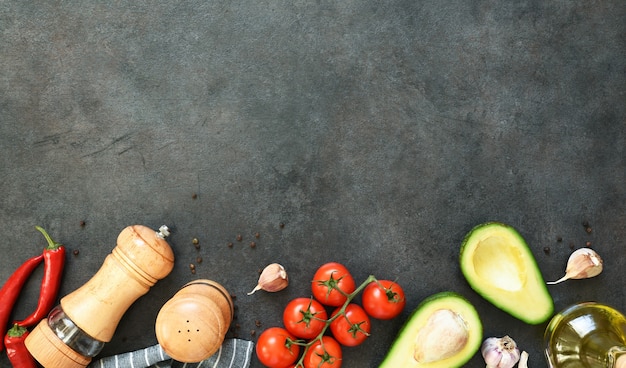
583	263
500	352
272	279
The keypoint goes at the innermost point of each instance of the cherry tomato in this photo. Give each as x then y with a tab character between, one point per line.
383	299
324	354
353	327
328	279
304	317
273	349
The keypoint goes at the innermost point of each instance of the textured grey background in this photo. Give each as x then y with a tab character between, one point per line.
378	132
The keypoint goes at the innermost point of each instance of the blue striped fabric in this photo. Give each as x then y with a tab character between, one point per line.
234	353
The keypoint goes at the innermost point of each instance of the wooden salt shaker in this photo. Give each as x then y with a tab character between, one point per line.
76	330
192	325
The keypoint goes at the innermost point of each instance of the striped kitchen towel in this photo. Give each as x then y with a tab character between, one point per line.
234	353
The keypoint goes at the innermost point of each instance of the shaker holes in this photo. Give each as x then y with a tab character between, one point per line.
189	331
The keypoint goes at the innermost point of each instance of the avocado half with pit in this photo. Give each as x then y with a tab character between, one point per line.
444	331
498	265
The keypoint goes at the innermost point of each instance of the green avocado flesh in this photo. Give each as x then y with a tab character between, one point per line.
500	267
444	331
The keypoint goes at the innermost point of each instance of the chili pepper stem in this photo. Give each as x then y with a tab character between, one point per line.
16	331
52	245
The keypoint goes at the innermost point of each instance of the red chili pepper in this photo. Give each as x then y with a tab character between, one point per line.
54	261
11	291
18	355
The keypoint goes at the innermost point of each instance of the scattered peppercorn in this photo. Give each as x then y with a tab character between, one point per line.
82	223
257	235
586	223
281	225
588	230
257	323
233	296
572	245
75	252
546	250
194	196
588	244
252	332
559	239
239	238
252	244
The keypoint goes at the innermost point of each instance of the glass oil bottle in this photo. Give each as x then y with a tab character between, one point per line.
586	335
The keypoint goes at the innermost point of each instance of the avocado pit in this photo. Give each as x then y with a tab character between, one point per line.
444	335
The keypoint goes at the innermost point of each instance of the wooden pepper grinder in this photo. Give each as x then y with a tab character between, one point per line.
77	329
191	326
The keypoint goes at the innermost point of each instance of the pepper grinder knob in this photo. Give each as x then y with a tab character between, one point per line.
93	311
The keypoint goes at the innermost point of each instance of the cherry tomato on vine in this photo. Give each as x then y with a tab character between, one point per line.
383	299
305	317
353	327
323	354
328	280
274	350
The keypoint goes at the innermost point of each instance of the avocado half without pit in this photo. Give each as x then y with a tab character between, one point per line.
444	331
498	265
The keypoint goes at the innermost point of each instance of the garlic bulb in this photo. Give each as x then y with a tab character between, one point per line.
500	352
582	264
273	278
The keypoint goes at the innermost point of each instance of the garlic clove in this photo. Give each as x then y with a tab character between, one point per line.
523	360
272	279
583	263
500	352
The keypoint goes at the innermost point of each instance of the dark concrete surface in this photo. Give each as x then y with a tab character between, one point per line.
378	132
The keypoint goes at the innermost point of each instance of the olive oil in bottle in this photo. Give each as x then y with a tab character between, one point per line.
586	335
